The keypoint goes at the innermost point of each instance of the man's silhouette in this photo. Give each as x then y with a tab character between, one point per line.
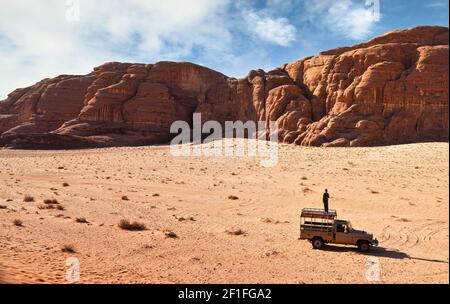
326	197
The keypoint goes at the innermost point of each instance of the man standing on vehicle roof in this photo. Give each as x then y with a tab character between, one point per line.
326	197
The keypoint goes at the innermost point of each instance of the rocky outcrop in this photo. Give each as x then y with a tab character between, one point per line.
390	90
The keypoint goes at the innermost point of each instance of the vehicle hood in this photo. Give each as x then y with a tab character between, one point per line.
362	232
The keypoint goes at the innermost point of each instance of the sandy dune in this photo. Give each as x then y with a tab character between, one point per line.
400	193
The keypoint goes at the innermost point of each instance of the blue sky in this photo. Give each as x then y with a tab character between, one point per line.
45	38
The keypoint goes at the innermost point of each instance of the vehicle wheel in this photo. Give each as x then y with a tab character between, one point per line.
364	246
317	243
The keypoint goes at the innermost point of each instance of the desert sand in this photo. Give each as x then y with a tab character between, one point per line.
400	193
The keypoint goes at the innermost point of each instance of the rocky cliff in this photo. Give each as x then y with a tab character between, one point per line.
390	90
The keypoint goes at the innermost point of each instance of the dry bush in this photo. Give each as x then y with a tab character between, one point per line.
81	220
65	185
68	248
18	223
28	198
3	207
269	221
171	234
235	232
51	201
306	190
190	218
46	207
134	226
233	197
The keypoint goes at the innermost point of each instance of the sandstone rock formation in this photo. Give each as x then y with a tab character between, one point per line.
390	90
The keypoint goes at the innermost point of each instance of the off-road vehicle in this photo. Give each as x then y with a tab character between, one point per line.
320	228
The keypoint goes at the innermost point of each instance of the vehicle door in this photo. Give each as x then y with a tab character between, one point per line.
343	233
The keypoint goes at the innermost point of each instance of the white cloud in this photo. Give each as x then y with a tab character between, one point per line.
275	30
41	39
354	19
37	41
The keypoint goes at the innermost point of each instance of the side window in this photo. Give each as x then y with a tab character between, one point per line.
340	228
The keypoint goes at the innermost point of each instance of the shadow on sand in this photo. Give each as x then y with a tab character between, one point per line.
380	252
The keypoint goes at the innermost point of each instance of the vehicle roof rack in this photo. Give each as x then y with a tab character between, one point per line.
319	213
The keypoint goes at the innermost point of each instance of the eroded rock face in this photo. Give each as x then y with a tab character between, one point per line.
390	90
386	91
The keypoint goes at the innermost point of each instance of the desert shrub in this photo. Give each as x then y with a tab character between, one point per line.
132	226
235	232
51	201
171	234
69	248
28	198
46	207
81	220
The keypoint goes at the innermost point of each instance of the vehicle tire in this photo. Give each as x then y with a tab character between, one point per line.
364	246
317	243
